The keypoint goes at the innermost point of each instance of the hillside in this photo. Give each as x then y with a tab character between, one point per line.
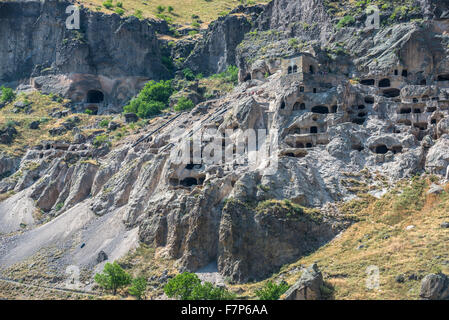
193	13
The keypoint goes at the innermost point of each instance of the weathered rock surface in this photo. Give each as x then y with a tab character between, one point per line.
308	287
435	287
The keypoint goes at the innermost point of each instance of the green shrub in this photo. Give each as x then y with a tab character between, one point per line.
100	140
184	104
138	287
119	4
271	291
108	4
104	123
119	11
170	9
160	9
231	75
59	206
88	111
151	100
345	21
188	74
138	14
113	277
6	94
187	286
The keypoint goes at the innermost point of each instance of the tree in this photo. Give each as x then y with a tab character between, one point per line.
272	291
138	287
113	277
151	99
187	286
182	285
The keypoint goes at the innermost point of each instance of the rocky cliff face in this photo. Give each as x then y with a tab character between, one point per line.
351	112
109	54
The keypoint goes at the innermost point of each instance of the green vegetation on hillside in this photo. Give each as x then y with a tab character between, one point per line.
173	11
400	233
187	286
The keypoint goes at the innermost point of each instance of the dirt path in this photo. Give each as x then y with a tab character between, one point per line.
49	288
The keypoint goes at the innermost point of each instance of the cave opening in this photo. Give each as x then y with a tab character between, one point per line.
313	130
405	110
405	73
381	149
368	82
94	96
384	83
188	182
392	93
443	77
320	109
369	99
308	145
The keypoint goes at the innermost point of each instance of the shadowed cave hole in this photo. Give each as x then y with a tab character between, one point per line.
381	149
320	109
392	93
368	82
384	83
94	96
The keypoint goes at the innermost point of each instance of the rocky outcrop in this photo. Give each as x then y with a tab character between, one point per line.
253	243
216	51
435	287
308	287
109	54
8	164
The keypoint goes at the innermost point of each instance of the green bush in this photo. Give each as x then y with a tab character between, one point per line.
113	277
119	11
188	73
160	9
100	140
6	94
119	4
151	100
170	9
184	104
108	4
187	286
271	291
138	287
138	14
89	112
345	21
104	123
231	75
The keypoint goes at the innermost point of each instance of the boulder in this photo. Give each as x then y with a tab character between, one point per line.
308	286
34	125
435	287
131	117
102	256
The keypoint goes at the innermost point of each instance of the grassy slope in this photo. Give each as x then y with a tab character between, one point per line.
387	245
183	9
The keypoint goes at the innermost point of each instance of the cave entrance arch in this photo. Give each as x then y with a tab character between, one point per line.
94	96
320	109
